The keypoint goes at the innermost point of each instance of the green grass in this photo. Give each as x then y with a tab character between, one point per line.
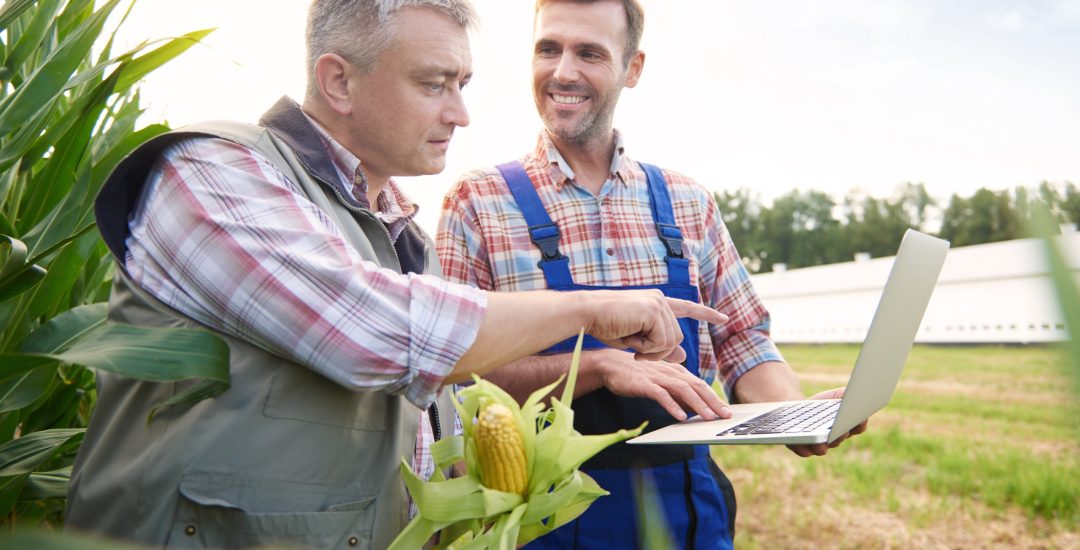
981	430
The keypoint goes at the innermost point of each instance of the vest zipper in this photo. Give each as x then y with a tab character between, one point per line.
436	426
371	216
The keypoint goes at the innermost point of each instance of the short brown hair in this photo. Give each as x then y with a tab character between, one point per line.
635	22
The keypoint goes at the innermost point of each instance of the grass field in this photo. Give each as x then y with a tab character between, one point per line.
978	449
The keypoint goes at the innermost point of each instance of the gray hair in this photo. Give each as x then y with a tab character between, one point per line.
358	31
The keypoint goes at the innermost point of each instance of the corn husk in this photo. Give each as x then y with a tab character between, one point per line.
469	516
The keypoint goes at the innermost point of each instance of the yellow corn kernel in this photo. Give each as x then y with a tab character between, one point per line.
500	450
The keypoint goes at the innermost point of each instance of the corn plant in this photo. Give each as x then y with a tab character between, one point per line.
67	117
1043	226
522	478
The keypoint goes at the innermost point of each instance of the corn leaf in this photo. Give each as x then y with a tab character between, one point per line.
51	77
471	516
47	485
145	64
11	10
16	274
33	34
22	455
24	389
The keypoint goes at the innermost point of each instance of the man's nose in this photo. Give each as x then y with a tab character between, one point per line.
566	70
456	113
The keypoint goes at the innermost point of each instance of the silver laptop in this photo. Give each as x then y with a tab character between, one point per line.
877	370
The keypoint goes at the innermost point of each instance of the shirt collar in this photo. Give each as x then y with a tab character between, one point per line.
560	172
393	205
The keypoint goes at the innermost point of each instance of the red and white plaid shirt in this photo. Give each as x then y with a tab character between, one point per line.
225	238
611	240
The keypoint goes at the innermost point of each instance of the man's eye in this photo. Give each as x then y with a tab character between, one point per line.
435	87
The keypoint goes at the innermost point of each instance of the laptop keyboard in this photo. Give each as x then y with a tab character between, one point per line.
805	416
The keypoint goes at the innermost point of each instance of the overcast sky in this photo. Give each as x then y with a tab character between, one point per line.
830	95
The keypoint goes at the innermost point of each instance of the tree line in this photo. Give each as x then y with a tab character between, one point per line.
807	228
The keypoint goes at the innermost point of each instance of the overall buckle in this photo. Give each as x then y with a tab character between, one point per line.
672	239
546	237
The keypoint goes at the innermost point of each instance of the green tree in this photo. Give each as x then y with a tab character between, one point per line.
741	213
986	217
66	118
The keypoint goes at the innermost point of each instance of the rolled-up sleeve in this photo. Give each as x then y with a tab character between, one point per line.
743	342
225	238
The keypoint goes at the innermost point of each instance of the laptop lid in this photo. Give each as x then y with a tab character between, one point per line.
881	358
892	331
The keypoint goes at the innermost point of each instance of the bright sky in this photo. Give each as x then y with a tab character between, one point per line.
810	94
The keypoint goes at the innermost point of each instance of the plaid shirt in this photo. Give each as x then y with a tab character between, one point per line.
611	240
225	238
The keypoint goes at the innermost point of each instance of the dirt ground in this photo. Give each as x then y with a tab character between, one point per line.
779	512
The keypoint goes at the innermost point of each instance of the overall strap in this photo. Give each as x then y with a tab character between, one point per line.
664	217
543	233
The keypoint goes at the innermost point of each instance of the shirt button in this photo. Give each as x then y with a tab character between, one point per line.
353	541
611	252
189	530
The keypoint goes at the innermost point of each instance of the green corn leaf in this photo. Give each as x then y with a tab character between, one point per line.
571	379
589	492
23	455
471	516
10	488
11	10
63	182
47	485
13	253
82	336
62	331
203	389
23	390
54	292
652	528
145	64
507	528
75	12
51	77
33	34
39	135
414	535
151	353
16	274
21	282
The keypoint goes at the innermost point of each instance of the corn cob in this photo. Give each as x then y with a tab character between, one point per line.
501	451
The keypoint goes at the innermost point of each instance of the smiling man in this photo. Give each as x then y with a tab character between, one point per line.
577	213
291	241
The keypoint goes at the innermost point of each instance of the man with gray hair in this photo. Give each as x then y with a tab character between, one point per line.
290	240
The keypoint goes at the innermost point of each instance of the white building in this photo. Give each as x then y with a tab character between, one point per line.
987	293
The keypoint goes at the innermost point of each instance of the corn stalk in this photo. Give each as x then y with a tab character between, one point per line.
67	117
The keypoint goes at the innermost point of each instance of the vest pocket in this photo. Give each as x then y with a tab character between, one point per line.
299	394
224	511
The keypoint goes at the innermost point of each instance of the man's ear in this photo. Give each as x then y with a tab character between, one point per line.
634	68
332	75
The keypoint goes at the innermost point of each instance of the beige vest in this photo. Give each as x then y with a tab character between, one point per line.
283	456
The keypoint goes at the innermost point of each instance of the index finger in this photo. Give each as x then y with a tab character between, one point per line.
686	308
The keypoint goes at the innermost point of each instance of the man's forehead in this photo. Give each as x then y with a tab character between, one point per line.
564	21
429	41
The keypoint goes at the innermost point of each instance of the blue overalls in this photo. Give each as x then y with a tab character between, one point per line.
697	499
